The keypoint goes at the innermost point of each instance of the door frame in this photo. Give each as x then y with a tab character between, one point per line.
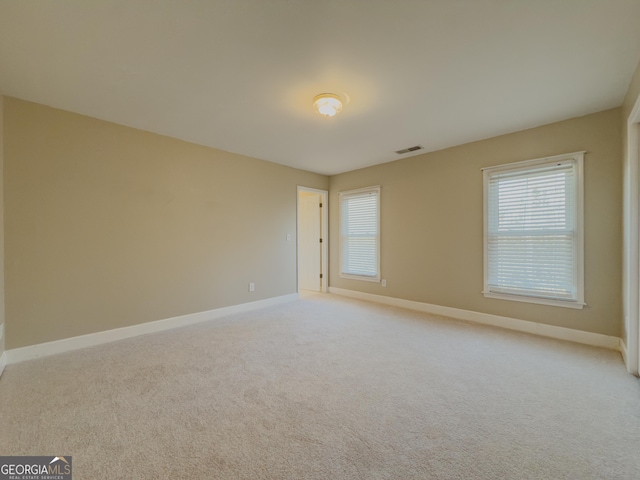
324	218
631	251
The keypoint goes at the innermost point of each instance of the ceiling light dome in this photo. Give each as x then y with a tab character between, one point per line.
327	104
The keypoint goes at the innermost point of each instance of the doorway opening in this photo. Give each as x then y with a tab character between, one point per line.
312	239
631	262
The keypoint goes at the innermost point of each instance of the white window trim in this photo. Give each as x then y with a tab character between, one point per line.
578	303
365	278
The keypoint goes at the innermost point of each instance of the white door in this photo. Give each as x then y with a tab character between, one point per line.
310	245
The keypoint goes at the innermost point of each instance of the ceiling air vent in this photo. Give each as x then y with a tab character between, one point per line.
410	149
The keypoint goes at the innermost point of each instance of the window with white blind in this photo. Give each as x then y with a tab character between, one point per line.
360	234
533	234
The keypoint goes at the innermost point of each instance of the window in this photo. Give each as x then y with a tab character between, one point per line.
360	234
533	241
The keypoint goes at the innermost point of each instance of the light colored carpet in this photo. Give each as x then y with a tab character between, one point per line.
329	388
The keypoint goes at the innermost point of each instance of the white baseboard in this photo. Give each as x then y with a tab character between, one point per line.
3	362
623	351
561	333
74	343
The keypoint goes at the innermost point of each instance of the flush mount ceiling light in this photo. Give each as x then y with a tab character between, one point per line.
327	104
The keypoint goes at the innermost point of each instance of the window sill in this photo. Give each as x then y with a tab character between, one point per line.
360	277
541	301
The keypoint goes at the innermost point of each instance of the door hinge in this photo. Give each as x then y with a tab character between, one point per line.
320	275
320	240
320	205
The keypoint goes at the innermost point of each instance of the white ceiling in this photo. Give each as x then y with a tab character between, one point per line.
240	75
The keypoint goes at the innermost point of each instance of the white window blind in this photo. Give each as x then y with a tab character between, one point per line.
359	234
533	230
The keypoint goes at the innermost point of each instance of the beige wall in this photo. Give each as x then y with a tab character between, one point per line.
108	226
632	94
431	222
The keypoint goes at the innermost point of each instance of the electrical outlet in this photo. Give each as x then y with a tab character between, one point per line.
252	287
384	282
288	237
